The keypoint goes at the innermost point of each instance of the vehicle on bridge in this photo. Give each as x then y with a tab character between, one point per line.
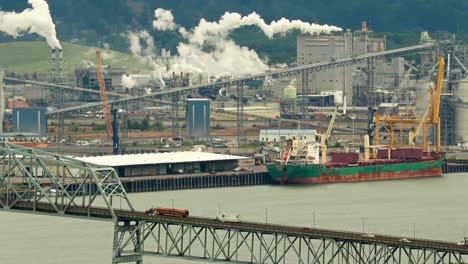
464	242
225	217
168	211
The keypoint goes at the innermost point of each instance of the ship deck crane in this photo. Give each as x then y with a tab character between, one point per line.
105	105
415	133
324	137
437	98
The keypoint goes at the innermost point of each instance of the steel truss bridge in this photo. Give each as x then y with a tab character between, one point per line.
40	182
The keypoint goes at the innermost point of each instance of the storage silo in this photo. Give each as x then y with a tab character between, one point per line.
290	91
422	95
198	118
461	114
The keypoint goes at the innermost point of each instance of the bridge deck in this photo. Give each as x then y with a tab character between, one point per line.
102	213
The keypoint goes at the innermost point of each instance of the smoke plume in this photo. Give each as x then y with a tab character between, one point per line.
142	46
128	81
32	20
209	49
164	21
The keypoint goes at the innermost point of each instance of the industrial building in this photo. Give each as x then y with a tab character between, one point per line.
198	119
87	78
313	49
135	165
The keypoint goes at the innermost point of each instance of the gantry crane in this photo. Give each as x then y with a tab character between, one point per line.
430	119
111	122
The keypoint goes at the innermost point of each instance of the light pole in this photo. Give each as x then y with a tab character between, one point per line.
266	215
314	219
172	202
363	225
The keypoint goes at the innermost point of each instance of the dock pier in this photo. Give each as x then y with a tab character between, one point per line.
194	181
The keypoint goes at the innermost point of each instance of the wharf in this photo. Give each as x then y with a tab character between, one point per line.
455	166
194	181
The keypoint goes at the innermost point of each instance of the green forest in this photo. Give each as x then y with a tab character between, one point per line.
94	23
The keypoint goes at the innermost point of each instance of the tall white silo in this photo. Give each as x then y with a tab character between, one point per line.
422	95
461	114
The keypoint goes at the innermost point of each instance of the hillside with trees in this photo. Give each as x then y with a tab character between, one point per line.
95	23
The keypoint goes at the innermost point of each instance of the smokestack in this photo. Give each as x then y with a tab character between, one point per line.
52	67
2	100
60	65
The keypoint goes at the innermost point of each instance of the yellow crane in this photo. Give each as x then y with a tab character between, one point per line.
415	133
438	93
429	119
102	89
324	137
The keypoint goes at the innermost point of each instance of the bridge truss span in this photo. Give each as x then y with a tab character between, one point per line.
135	239
40	177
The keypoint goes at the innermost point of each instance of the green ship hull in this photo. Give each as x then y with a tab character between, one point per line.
318	173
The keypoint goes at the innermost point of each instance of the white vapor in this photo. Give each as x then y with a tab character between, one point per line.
212	31
165	20
32	20
223	55
128	81
146	54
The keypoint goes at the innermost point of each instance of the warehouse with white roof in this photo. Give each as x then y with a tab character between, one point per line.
151	164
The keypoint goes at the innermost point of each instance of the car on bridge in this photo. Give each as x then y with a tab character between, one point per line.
404	240
225	217
464	242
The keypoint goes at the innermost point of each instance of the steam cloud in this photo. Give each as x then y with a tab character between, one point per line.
32	20
142	46
225	56
128	81
165	20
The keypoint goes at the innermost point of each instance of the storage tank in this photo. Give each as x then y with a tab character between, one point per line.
461	114
290	91
30	120
198	118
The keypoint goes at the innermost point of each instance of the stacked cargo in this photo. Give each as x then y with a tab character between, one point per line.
348	158
401	153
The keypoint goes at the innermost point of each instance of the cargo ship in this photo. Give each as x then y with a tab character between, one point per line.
301	162
293	168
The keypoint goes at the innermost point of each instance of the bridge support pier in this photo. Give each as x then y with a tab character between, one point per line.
128	242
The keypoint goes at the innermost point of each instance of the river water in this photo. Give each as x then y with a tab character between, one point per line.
432	208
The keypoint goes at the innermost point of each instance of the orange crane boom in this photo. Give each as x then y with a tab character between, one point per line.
102	89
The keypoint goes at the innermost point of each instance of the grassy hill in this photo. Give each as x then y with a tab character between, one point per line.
34	56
